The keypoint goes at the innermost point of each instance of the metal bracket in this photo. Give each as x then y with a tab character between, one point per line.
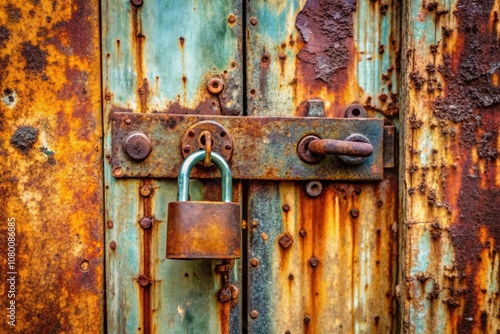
260	148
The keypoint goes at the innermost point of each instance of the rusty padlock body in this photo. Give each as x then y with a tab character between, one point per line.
202	229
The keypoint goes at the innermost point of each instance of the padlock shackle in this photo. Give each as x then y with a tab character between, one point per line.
190	162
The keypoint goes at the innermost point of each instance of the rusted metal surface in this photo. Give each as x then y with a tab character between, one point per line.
160	55
340	272
340	147
451	182
264	147
51	168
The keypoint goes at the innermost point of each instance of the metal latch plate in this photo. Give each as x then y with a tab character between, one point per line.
264	148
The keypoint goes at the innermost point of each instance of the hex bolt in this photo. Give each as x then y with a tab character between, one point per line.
354	213
143	280
254	314
231	18
313	262
286	207
112	245
303	233
110	224
307	319
253	20
146	222
285	240
314	188
254	262
137	146
254	223
146	190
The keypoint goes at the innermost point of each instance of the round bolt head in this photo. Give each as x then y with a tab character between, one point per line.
143	280
110	224
146	190
307	319
128	121
137	2
112	245
314	188
255	223
286	207
254	314
354	213
146	222
235	292
215	85
313	262
224	295
303	233
253	20
285	240
118	172
254	262
137	146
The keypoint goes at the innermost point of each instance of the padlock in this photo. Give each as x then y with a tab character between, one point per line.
202	229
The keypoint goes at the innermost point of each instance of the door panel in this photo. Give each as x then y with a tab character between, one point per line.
158	57
51	243
339	273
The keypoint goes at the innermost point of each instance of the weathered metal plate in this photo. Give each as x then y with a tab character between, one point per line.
264	147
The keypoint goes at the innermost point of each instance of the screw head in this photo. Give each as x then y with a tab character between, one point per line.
313	262
254	262
253	20
112	245
285	240
254	314
143	280
146	222
231	18
314	188
137	146
354	213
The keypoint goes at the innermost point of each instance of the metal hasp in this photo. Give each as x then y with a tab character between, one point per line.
203	230
257	148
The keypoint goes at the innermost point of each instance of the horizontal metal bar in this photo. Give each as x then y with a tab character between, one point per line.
263	148
340	147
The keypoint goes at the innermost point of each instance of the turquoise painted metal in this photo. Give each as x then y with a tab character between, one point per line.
156	57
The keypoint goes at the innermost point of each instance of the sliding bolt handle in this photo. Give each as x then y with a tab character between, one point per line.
355	149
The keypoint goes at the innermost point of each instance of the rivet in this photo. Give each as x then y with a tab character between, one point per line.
118	172
357	190
108	155
85	265
144	280
379	203
231	18
224	295
254	223
137	2
303	233
253	20
146	190
254	314
110	224
142	91
282	56
186	148
146	222
286	207
313	262
191	133
112	245
128	121
254	262
228	147
354	213
307	319
291	277
107	97
286	240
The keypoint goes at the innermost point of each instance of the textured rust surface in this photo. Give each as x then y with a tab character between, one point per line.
51	168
